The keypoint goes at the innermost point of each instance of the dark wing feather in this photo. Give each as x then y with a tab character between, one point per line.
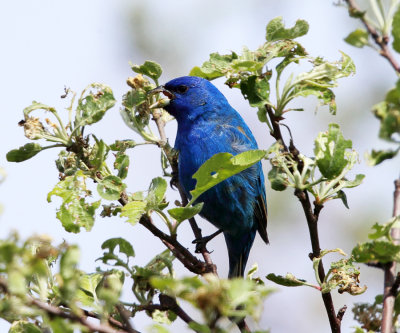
260	214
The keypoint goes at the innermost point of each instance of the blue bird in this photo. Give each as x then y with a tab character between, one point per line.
208	125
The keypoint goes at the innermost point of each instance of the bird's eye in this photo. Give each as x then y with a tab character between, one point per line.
182	89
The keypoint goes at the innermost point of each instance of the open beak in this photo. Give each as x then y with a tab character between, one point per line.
161	103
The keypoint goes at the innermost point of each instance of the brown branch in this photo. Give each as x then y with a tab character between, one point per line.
180	252
390	281
381	41
167	303
312	216
200	247
125	315
52	310
111	320
58	312
396	285
341	312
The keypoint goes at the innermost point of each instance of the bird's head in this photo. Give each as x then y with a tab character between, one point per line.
191	97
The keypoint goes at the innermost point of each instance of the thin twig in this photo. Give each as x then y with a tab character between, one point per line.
111	320
312	216
169	303
91	326
341	312
52	310
396	285
125	315
390	270
381	41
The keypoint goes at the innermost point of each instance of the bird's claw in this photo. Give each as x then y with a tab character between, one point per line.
201	242
174	180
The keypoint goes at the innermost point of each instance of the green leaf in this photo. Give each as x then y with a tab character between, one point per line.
98	154
256	89
344	276
134	98
23	153
216	67
342	196
69	262
149	68
197	327
353	183
23	326
278	179
158	328
74	212
157	191
381	251
378	156
122	165
134	211
276	30
358	38
77	214
318	82
88	284
110	187
222	166
330	151
123	245
122	145
161	317
383	230
388	112
289	280
92	107
184	213
110	287
59	325
396	30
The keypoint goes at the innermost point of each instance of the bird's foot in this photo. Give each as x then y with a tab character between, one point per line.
201	242
174	182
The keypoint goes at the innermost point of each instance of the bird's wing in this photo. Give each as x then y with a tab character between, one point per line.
260	214
243	140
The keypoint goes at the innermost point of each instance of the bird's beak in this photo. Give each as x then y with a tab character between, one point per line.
161	103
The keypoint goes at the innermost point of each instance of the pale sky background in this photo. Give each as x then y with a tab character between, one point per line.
47	45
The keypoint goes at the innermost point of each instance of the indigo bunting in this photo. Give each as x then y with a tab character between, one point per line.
208	125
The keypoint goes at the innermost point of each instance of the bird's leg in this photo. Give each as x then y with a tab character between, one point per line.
204	240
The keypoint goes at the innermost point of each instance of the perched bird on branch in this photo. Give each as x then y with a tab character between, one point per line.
208	125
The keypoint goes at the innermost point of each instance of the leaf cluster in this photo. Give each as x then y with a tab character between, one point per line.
324	175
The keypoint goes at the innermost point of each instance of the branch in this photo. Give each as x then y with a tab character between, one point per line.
52	310
312	216
125	315
381	41
200	247
111	320
391	283
167	303
180	252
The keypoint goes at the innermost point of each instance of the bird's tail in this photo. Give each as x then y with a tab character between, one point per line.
238	251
